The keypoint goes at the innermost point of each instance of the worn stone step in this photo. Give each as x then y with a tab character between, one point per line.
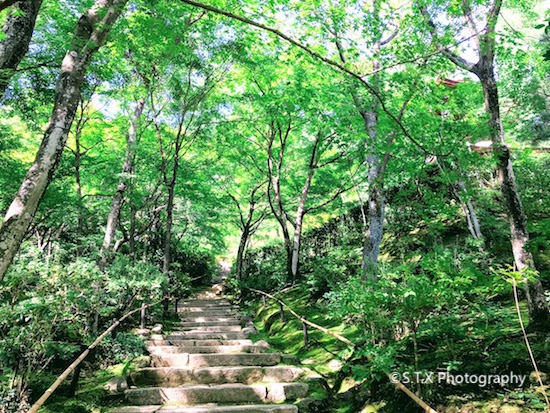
211	360
237	335
210	408
207	310
195	302
183	342
223	393
208	349
207	323
215	319
177	376
208	328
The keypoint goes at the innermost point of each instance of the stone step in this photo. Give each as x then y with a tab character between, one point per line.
213	319
207	323
223	393
207	349
202	303
208	328
183	342
212	360
177	376
237	335
207	310
210	408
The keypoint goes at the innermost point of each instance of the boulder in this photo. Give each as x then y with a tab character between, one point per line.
116	385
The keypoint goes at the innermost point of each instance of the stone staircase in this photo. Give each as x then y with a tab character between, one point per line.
208	365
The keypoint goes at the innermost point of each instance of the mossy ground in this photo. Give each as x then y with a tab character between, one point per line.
325	353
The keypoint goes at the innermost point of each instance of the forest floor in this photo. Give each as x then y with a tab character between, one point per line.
324	355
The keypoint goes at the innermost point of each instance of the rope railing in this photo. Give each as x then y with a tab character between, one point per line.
305	322
48	393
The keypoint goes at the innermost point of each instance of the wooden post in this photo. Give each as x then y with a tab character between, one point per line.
176	307
142	316
282	312
306	335
264	301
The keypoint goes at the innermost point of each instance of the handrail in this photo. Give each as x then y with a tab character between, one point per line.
46	395
343	339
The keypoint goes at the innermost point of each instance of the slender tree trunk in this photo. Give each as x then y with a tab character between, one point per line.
125	178
277	205
245	235
469	211
298	225
539	314
18	30
166	261
78	180
92	30
376	204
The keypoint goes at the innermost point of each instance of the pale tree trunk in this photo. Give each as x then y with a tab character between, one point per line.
484	69
18	30
376	203
249	225
125	178
274	185
469	211
301	210
166	261
92	30
78	179
298	225
460	194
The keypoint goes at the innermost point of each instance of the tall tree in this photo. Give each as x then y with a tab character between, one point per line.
18	30
125	178
91	32
484	38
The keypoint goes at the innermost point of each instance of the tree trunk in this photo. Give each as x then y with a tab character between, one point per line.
91	32
125	178
18	30
166	260
539	315
245	235
376	204
78	180
277	207
298	225
4	4
469	211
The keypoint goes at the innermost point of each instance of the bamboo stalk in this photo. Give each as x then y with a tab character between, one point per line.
40	402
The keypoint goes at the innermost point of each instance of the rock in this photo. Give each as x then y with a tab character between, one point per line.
262	343
142	362
249	330
157	329
310	405
245	319
509	409
116	385
143	332
291	360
